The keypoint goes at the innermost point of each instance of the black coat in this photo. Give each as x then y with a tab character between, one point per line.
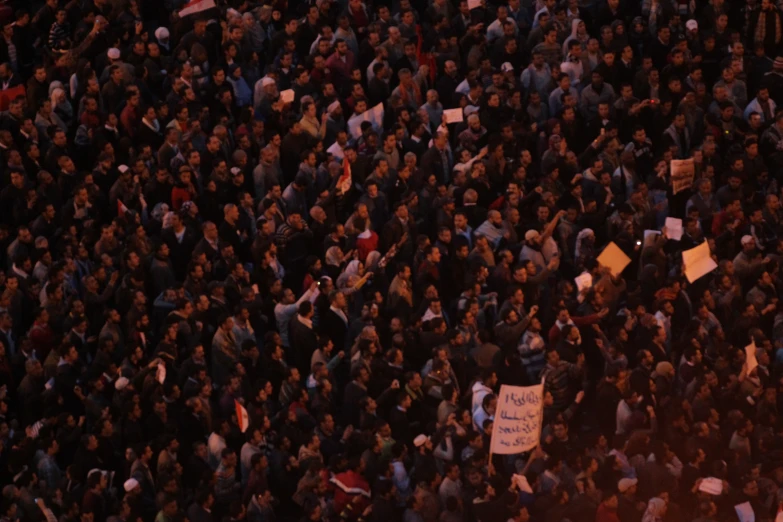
333	326
303	342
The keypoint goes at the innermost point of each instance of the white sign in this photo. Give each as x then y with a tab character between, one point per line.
583	281
673	228
614	258
452	115
750	356
287	96
161	373
745	512
518	419
698	262
374	116
682	174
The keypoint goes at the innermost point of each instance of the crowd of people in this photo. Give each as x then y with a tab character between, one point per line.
272	261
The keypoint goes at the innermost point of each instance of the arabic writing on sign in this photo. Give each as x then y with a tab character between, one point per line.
517	423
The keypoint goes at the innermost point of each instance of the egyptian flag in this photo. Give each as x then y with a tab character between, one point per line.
243	420
196	6
345	181
424	58
121	208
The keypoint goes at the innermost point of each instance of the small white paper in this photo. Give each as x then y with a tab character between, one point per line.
287	96
711	486
161	373
583	280
745	512
750	356
473	4
452	115
674	228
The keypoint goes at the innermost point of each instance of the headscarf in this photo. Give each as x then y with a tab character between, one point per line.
334	256
656	508
574	36
372	259
582	248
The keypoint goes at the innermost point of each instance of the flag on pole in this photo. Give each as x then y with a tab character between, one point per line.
196	6
243	420
345	181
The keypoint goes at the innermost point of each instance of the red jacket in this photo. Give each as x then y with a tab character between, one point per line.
554	332
604	514
351	494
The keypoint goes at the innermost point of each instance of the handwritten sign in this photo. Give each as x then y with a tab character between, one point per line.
374	116
698	262
287	96
518	419
682	174
614	258
452	115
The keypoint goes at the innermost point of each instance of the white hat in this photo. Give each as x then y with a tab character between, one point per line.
161	33
530	235
123	169
420	440
121	383
333	106
691	25
130	485
506	67
746	240
113	53
625	484
470	109
711	486
267	81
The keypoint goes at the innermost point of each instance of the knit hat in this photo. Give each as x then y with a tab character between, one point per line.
161	33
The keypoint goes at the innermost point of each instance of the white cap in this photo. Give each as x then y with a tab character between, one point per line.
266	82
530	235
161	33
121	383
333	106
691	25
130	485
113	53
507	67
420	440
470	109
123	169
